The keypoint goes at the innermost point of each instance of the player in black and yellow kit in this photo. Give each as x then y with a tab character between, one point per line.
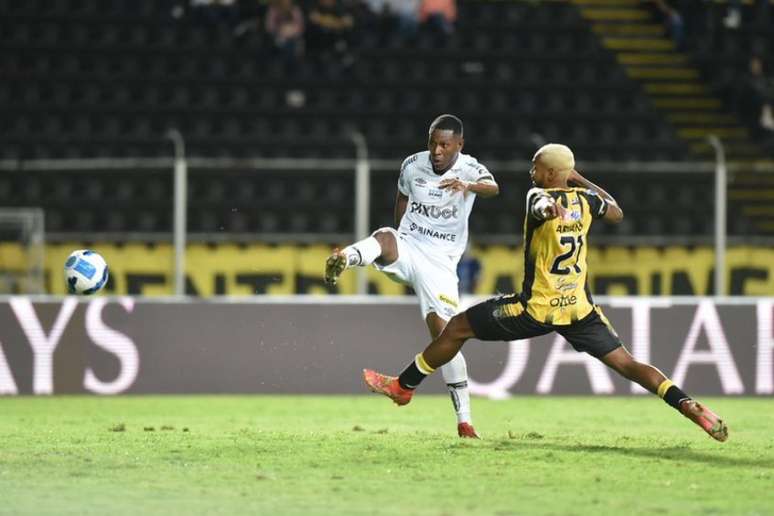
555	295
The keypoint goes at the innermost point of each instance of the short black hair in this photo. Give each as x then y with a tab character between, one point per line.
447	123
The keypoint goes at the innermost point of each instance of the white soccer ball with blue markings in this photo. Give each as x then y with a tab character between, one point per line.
86	272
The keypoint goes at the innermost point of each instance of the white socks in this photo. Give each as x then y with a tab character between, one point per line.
455	374
363	252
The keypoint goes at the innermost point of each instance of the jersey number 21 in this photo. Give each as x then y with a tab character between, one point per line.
574	245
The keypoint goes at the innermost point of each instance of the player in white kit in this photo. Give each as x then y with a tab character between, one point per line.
436	191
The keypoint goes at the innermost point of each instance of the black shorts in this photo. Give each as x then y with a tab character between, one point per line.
504	318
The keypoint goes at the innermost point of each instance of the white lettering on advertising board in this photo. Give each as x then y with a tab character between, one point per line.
719	354
113	342
764	371
44	345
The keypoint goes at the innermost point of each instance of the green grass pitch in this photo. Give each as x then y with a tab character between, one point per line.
357	455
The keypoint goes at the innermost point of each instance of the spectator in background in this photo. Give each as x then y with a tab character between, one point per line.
373	16
285	26
251	12
439	15
376	8
760	89
758	17
733	17
216	12
330	29
406	14
673	22
399	17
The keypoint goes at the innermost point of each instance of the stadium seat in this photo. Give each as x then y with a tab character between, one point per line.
505	71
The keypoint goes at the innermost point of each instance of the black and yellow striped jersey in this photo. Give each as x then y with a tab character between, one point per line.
555	289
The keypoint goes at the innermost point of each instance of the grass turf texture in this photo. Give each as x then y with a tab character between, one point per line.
360	455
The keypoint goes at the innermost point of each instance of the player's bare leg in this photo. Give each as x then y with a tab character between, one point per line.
381	246
654	381
449	342
439	352
455	374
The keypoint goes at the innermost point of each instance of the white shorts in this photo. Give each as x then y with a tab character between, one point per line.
433	276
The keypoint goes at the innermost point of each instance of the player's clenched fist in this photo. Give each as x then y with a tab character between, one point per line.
546	208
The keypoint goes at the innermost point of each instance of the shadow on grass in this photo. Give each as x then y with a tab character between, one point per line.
671	453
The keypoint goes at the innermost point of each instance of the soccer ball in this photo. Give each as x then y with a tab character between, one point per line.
85	272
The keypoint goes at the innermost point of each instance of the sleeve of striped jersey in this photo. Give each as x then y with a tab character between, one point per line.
533	196
597	204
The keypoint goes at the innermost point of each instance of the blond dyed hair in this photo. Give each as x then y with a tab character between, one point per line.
556	157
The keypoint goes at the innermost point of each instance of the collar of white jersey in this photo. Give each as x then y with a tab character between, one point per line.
430	160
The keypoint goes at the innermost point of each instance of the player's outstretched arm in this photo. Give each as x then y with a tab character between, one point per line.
485	188
614	212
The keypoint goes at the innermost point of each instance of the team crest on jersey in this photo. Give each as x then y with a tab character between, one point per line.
570	216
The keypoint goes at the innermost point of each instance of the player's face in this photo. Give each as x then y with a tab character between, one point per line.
539	174
444	146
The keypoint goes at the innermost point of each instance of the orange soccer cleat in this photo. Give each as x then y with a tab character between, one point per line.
705	418
387	385
466	430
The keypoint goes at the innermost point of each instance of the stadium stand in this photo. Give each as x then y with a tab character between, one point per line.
107	78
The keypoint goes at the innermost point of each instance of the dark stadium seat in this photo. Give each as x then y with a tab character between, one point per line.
90	78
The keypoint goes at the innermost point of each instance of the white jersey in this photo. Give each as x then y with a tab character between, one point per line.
435	217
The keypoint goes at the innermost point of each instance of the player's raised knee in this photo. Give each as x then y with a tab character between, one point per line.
384	234
458	327
388	243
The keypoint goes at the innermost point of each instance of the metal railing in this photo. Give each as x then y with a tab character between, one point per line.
362	168
27	226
